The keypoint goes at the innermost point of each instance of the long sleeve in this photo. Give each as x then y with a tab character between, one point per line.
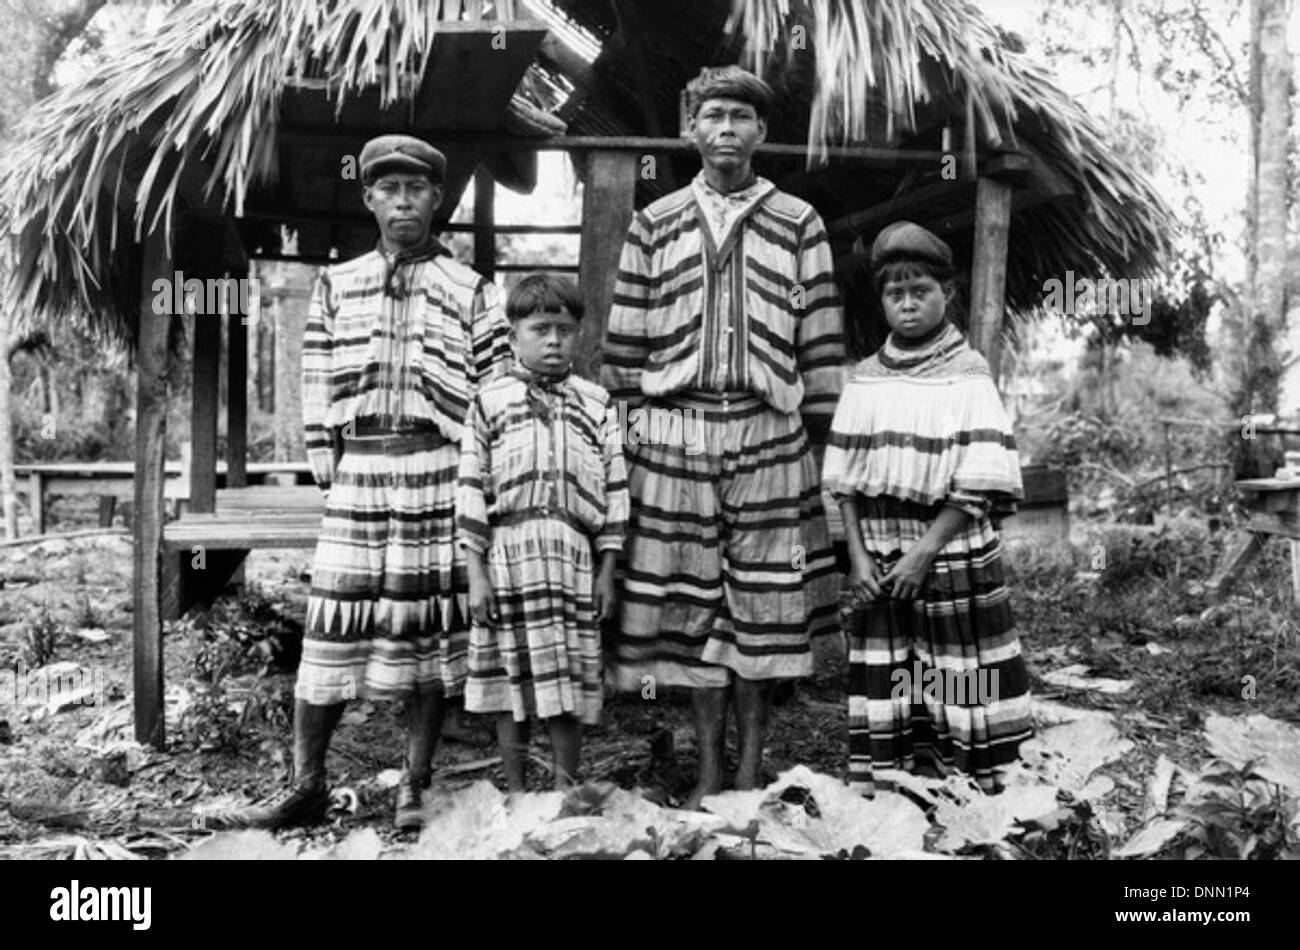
626	346
820	333
617	499
472	528
318	382
490	336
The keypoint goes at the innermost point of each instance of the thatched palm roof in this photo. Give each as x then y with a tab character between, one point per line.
199	107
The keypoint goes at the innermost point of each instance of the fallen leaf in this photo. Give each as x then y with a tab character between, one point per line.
1157	791
1150	839
245	845
1076	677
1274	746
361	845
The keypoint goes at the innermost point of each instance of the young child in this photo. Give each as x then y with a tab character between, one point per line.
541	511
921	458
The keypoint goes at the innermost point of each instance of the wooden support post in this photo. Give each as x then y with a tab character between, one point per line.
607	206
1244	548
485	235
203	413
36	498
151	395
237	402
989	268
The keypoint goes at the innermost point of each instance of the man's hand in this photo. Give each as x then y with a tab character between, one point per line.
482	601
907	578
603	593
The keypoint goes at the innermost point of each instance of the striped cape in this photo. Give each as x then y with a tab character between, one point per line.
924	425
759	314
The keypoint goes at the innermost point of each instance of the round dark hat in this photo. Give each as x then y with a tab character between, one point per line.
403	153
904	240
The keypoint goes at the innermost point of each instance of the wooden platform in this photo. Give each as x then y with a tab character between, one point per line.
1274	505
114	481
201	552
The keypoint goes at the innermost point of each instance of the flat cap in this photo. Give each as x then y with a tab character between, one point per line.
904	240
401	153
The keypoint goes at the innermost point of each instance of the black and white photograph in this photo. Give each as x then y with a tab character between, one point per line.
715	430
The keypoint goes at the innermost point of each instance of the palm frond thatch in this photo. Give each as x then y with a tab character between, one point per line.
202	91
194	108
877	57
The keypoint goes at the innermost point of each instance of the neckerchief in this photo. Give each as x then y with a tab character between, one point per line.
541	386
395	285
723	210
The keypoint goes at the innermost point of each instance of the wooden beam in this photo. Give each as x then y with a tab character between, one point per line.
203	412
485	238
495	142
607	206
237	402
989	268
153	369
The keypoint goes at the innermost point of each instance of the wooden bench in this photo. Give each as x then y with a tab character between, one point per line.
1274	506
111	481
201	552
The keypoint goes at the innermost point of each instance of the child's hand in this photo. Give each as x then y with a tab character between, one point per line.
864	579
907	577
482	601
604	595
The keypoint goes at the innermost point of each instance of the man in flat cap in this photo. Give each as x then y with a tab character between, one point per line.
726	311
397	342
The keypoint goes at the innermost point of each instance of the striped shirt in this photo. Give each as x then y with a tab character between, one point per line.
515	465
761	313
412	358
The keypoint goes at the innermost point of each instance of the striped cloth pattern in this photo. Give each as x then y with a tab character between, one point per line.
961	623
538	499
447	331
389	594
925	425
729	566
760	314
920	427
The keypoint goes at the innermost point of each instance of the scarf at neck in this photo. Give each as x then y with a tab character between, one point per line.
723	210
541	386
395	284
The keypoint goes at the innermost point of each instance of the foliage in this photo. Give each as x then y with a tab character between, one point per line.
42	640
1071	833
1236	814
231	694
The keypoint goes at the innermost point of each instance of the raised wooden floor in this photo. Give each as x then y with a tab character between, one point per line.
202	551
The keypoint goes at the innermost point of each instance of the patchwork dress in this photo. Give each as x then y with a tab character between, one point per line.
726	330
543	494
393	351
919	428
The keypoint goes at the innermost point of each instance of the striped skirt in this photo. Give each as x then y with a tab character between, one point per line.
542	658
729	562
939	681
389	589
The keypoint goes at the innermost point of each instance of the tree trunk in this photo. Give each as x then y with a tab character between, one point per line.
1272	195
8	491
